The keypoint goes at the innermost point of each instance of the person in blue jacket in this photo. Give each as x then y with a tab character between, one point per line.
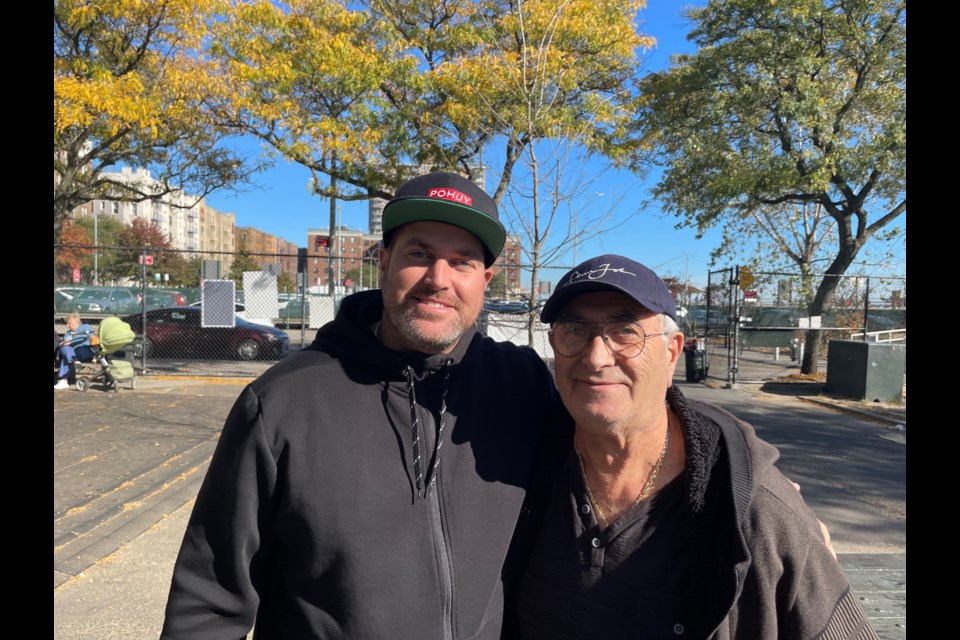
74	346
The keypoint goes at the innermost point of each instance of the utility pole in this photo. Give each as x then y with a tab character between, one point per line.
331	246
96	249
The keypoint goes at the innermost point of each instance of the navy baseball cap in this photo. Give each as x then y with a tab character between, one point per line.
450	198
611	273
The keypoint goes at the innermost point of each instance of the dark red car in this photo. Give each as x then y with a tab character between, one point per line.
177	332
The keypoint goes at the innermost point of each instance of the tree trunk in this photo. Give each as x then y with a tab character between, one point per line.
811	359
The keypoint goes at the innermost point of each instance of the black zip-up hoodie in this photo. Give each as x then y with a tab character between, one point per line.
361	492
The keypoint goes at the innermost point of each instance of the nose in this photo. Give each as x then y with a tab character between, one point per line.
597	352
438	274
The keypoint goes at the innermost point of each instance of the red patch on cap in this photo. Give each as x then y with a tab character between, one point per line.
450	194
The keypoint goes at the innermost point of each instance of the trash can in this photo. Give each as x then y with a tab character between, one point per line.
696	360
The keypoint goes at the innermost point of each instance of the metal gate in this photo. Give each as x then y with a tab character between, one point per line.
755	325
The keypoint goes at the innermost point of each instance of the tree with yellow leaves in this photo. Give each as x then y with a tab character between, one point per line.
551	82
130	80
370	93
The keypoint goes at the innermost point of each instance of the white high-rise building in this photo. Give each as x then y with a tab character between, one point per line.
176	214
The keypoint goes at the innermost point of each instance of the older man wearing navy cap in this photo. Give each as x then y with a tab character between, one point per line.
369	485
669	519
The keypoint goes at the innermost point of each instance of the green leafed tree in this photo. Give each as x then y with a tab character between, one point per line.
185	271
286	283
372	93
102	231
242	261
497	287
366	276
787	126
549	82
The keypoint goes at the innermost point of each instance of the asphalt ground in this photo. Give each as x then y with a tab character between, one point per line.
127	466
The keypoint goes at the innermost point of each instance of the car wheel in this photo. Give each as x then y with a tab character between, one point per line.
248	350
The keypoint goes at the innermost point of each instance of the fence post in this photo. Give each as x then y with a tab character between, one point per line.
735	318
866	310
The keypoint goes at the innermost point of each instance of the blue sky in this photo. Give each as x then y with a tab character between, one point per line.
284	207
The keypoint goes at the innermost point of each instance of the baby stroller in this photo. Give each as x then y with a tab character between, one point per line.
110	368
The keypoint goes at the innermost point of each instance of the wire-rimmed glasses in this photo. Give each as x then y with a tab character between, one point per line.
623	339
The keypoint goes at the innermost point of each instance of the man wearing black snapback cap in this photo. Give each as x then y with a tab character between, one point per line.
369	485
669	518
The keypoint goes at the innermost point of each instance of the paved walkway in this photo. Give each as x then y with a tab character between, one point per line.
128	464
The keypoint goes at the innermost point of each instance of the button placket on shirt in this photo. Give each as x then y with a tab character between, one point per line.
594	538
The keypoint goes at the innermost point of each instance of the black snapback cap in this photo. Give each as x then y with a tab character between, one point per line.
449	198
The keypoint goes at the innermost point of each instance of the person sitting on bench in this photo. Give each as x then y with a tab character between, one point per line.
74	346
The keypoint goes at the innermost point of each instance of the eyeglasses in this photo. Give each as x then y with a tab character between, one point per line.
623	339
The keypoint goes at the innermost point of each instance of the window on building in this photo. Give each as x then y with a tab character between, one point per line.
116	208
133	208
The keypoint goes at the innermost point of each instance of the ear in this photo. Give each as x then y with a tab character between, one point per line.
487	274
674	349
384	257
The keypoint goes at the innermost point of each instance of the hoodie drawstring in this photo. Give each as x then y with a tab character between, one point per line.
422	486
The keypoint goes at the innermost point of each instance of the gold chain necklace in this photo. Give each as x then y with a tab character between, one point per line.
646	485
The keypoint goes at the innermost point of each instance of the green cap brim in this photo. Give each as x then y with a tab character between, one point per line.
487	229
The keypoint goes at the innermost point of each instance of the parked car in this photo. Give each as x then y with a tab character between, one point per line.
115	300
177	332
697	322
294	312
511	307
159	299
62	299
238	307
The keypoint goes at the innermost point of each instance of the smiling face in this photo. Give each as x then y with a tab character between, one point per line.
608	392
433	280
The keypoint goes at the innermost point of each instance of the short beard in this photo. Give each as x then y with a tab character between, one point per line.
405	321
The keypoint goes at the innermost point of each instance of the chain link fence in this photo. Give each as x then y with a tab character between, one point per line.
231	313
757	326
235	314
